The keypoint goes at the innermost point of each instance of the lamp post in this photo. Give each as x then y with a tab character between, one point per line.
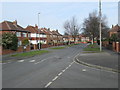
100	15
39	31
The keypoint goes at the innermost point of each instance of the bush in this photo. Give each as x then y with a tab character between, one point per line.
25	42
9	41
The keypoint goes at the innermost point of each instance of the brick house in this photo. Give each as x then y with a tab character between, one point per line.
49	35
114	30
59	37
84	38
37	36
21	33
55	37
67	38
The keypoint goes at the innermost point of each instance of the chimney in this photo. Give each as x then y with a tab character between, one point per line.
36	26
56	30
15	22
49	29
112	26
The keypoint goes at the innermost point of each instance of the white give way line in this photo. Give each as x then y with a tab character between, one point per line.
44	59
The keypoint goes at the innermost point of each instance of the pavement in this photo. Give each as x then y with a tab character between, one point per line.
105	60
57	69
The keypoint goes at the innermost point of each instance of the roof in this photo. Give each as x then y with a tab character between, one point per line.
32	29
115	29
46	31
35	29
11	26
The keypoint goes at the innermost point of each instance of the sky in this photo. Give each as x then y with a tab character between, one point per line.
54	14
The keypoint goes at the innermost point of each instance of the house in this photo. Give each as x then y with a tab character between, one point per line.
37	36
68	38
59	38
21	33
84	38
49	36
114	30
55	37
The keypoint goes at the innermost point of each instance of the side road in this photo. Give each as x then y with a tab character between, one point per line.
107	60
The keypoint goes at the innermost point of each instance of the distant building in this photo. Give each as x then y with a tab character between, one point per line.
114	30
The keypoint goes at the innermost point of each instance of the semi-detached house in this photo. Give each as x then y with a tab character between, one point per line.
37	36
21	33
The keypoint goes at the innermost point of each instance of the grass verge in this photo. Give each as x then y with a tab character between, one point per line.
32	53
58	48
92	47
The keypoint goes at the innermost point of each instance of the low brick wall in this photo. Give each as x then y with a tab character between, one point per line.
105	43
8	51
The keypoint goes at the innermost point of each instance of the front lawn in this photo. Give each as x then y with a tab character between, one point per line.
91	47
32	53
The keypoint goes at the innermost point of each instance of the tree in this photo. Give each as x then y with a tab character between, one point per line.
91	26
9	41
72	28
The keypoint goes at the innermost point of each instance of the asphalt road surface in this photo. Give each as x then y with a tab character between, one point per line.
56	70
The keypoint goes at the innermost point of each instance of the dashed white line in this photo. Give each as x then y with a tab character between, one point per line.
32	61
55	78
44	60
83	70
63	70
58	75
48	84
21	60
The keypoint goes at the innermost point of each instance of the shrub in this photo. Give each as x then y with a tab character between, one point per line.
9	41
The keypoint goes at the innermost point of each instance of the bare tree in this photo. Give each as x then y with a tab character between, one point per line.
72	28
91	26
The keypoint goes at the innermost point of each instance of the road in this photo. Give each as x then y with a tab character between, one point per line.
56	70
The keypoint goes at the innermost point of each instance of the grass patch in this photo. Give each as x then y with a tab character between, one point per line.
92	47
32	53
71	45
58	48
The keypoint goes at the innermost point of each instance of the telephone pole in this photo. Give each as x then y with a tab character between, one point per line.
100	15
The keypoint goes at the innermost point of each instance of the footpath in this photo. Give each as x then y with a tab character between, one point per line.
106	60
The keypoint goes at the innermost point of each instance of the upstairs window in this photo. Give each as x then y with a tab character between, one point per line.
24	34
18	34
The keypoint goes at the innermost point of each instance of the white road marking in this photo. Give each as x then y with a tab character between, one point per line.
32	61
48	84
55	78
21	60
44	60
63	70
58	75
83	70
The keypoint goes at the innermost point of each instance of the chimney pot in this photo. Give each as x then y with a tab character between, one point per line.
15	22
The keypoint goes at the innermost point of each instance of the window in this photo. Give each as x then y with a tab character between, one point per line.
18	34
24	34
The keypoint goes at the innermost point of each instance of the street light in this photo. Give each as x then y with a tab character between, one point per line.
100	15
39	31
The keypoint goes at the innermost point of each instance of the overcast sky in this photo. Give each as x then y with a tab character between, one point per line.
54	14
